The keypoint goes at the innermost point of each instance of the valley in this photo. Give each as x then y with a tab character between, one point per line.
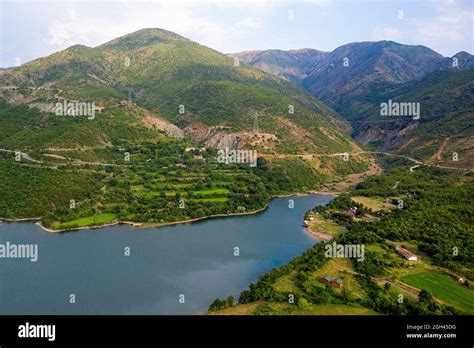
150	152
154	132
357	79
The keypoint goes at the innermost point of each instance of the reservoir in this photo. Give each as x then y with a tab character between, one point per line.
192	263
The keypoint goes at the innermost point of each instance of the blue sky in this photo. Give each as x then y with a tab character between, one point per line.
32	29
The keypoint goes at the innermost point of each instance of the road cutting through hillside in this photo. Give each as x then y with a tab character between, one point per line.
307	155
418	163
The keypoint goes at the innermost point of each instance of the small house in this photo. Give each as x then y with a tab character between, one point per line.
334	282
337	283
326	279
406	254
350	212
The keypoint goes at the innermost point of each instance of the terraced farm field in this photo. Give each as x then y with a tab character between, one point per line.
444	288
87	221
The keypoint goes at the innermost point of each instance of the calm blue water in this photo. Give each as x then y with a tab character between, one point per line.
195	259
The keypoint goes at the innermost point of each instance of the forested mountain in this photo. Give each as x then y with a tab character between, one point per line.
353	71
356	78
446	125
159	106
172	81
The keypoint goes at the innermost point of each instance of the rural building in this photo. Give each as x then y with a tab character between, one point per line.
195	149
336	282
350	212
406	254
326	279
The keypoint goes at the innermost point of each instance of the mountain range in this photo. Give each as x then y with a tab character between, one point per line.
356	78
132	128
170	83
154	82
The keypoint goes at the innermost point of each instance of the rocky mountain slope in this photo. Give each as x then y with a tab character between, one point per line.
193	90
293	65
356	78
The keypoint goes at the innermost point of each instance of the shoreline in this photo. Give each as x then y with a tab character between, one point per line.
94	227
162	224
19	220
327	193
150	225
321	237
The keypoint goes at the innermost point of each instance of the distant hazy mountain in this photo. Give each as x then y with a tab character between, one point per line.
293	65
355	78
182	87
461	60
370	67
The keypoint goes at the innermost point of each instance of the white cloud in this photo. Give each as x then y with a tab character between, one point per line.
387	33
67	33
38	28
181	17
249	23
449	28
453	23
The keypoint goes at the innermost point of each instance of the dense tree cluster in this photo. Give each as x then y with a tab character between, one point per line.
437	216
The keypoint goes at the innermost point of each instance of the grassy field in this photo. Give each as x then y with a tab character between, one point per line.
241	309
212	191
211	199
329	309
216	191
286	284
338	268
87	221
322	225
376	204
395	291
444	288
334	309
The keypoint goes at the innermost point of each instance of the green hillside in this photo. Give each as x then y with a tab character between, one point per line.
356	78
446	124
184	83
163	105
